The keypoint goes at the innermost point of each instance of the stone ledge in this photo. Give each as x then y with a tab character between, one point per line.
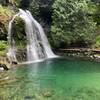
5	64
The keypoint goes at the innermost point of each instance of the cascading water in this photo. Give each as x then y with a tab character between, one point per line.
37	44
11	51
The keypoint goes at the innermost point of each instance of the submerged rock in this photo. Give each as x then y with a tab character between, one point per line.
29	97
48	93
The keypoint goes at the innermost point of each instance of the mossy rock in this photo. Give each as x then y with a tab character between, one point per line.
4	66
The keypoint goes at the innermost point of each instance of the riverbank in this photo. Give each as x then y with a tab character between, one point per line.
73	53
5	64
80	53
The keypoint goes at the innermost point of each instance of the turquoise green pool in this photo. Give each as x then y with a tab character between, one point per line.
53	79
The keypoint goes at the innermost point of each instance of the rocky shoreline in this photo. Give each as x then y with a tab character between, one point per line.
73	53
5	64
80	53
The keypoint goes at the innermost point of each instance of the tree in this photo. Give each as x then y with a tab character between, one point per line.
72	22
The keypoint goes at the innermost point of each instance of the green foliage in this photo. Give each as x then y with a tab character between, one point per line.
19	32
97	14
41	10
5	15
72	22
97	42
20	3
34	8
5	11
3	45
15	2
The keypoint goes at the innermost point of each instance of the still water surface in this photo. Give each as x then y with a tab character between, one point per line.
53	79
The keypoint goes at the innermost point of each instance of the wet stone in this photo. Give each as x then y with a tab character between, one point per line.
47	94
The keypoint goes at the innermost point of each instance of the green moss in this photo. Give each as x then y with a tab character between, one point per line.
5	11
3	53
3	45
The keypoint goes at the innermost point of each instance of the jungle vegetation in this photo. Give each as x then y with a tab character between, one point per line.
67	23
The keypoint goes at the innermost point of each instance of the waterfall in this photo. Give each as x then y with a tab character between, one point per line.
11	49
38	46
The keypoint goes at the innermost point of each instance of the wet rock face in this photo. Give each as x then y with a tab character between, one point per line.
46	9
3	67
21	55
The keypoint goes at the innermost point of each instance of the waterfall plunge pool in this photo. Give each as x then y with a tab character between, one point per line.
52	79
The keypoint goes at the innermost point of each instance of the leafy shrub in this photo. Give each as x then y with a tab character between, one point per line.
2	53
5	15
97	42
3	45
72	22
5	11
34	8
15	2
